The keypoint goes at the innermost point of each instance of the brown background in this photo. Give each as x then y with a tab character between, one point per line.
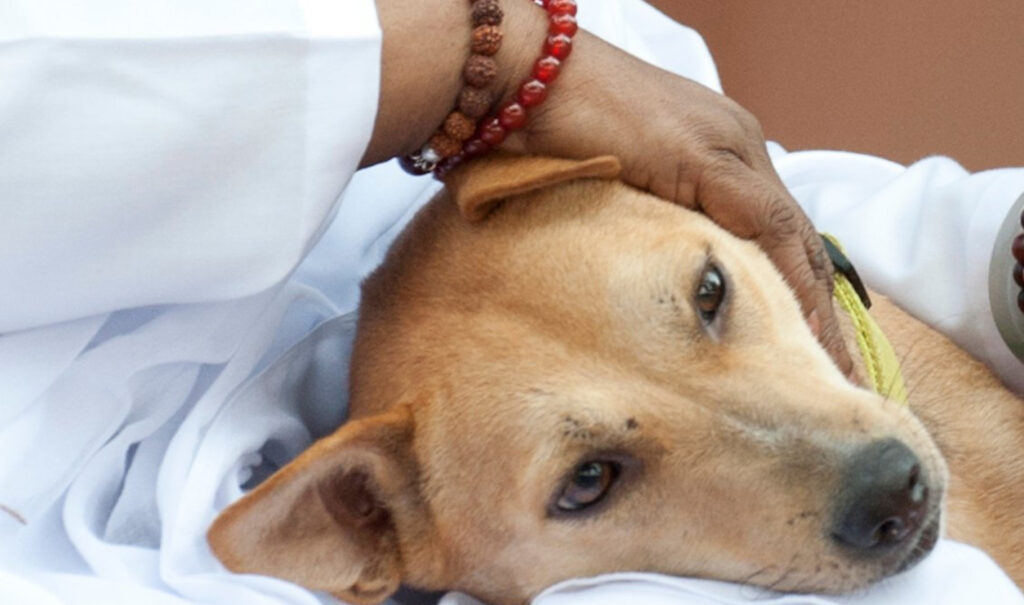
898	78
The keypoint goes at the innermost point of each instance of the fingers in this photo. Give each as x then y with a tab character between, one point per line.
756	206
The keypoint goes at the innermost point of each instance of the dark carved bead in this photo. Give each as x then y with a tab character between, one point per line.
410	165
487	12
1018	248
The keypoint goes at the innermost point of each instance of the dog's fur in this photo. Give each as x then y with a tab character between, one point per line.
493	357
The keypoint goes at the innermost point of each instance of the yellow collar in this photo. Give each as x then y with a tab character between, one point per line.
880	361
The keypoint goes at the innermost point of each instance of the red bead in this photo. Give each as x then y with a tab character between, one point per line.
491	132
561	7
532	93
512	116
1018	248
475	147
1018	274
558	46
563	24
546	69
445	166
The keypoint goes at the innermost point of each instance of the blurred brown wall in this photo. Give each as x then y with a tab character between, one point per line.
898	78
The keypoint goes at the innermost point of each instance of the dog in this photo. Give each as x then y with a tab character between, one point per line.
556	375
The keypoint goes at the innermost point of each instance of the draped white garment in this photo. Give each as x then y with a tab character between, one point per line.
183	238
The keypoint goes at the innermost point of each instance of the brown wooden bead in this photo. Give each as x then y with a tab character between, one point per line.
487	12
474	102
444	145
480	71
486	40
458	126
1018	274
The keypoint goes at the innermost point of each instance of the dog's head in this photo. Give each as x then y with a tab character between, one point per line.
584	379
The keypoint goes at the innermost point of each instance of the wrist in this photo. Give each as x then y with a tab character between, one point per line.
425	45
525	32
454	143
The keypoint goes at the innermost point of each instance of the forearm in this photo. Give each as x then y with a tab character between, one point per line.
426	44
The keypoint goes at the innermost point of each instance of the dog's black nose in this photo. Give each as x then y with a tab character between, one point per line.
883	498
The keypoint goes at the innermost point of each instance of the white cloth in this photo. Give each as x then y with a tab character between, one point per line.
938	581
922	235
166	166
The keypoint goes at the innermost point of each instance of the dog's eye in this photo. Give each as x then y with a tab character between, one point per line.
587	485
710	293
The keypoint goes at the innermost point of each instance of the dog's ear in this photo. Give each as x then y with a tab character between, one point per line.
331	519
481	184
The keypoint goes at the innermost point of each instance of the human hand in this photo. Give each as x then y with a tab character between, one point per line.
688	144
674	137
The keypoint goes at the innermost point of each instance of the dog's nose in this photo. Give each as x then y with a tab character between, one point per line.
883	498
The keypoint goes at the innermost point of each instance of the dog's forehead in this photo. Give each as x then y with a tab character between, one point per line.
551	402
550	286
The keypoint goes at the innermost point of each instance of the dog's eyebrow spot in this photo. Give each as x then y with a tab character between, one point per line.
573	428
631	424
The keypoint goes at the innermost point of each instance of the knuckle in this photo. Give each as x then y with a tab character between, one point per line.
751	125
782	217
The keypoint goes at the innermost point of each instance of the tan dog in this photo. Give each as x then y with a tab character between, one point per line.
593	380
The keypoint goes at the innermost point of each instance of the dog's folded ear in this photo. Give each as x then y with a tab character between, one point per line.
330	520
480	185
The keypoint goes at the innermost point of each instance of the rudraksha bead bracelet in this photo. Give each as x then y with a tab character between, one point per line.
474	100
459	138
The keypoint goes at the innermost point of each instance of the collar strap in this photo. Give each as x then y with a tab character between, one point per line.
880	360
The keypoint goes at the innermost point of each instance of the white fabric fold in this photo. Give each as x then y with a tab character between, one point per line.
921	235
938	580
172	152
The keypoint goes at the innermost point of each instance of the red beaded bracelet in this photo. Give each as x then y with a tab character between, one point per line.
1017	249
493	130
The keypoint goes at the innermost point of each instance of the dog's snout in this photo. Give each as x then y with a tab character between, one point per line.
883	500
